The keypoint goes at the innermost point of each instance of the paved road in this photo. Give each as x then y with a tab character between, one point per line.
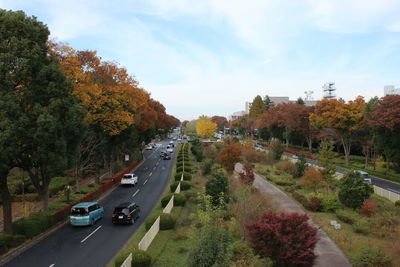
385	184
96	245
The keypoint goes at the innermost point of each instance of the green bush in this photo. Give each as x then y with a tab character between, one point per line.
167	221
46	219
179	200
27	227
217	187
361	227
185	185
186	176
31	197
397	203
121	258
284	183
17	240
165	200
353	190
150	221
3	247
372	257
347	216
58	183
6	239
140	258
181	168
206	166
330	203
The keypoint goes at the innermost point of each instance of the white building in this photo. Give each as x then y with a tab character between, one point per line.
237	115
390	90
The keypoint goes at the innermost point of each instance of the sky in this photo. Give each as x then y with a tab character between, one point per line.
211	56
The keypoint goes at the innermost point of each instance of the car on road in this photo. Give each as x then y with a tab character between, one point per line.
86	213
127	212
170	150
163	153
167	157
149	147
129	179
365	176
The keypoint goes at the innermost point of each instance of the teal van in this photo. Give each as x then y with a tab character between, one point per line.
86	213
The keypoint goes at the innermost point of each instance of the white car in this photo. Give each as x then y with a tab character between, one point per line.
170	150
129	179
148	147
365	176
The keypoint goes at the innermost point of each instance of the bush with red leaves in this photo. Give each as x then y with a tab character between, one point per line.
247	175
369	207
288	239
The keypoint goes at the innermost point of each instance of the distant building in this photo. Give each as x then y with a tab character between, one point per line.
279	99
247	107
310	103
390	90
237	115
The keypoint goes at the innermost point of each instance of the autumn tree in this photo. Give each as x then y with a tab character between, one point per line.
385	120
229	155
221	122
286	238
257	107
311	179
344	118
205	127
247	174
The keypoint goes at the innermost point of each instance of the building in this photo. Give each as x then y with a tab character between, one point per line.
237	115
247	107
279	99
390	90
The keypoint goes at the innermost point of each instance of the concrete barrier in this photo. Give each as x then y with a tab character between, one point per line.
178	189
150	235
128	261
386	193
170	205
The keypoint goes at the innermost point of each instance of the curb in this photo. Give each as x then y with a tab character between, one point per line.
14	252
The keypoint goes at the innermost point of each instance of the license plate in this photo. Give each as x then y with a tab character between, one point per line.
120	217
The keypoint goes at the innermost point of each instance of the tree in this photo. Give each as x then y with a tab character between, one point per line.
301	166
277	148
257	107
286	238
217	188
312	179
385	120
205	127
353	190
229	155
300	101
221	122
325	158
267	102
247	175
344	118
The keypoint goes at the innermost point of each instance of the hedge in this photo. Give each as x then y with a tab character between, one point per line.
186	176
167	221
33	225
185	185
141	258
180	168
121	258
179	200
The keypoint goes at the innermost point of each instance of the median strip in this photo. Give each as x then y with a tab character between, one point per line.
90	234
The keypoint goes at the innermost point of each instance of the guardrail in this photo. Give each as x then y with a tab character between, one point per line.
170	205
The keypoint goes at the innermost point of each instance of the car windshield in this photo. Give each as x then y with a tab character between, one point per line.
121	210
78	211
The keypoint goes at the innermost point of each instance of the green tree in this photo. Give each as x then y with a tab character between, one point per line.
353	190
257	107
325	157
217	188
277	148
47	117
300	101
267	102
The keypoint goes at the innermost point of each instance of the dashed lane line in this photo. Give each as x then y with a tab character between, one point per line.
137	191
83	240
145	182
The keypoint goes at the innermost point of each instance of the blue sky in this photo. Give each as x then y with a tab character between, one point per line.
210	56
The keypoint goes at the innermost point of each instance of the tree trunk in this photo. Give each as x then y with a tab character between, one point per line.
346	147
44	195
7	202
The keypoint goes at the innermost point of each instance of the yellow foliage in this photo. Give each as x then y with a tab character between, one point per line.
205	127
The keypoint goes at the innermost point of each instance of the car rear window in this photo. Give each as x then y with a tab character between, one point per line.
78	211
127	176
121	210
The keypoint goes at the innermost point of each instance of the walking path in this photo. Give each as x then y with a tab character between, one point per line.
328	254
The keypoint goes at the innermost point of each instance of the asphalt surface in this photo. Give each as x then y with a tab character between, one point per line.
383	183
97	245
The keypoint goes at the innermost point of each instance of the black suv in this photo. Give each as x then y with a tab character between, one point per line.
126	213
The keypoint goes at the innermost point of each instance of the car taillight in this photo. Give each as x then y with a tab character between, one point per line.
128	215
113	215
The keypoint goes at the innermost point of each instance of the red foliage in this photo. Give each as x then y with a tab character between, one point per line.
369	207
286	238
247	175
314	204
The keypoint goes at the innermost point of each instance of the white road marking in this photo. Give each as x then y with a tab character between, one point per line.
91	234
154	168
145	182
137	191
52	265
150	174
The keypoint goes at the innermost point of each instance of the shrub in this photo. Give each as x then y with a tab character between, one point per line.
254	156
121	258
287	167
277	148
312	179
217	187
185	185
284	183
179	200
150	221
6	239
206	166
353	190
27	227
180	169
247	175
369	208
17	240
186	176
240	254
397	203
286	238
167	221
361	227
330	203
3	247
46	219
301	166
301	199
372	257
166	199
314	204
347	216
141	258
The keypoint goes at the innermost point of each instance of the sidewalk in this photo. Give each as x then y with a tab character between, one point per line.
328	254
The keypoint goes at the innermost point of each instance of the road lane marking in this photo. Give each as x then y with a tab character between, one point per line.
52	265
91	234
154	168
137	191
145	182
150	174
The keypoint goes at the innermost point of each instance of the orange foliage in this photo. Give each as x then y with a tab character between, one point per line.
311	179
229	155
